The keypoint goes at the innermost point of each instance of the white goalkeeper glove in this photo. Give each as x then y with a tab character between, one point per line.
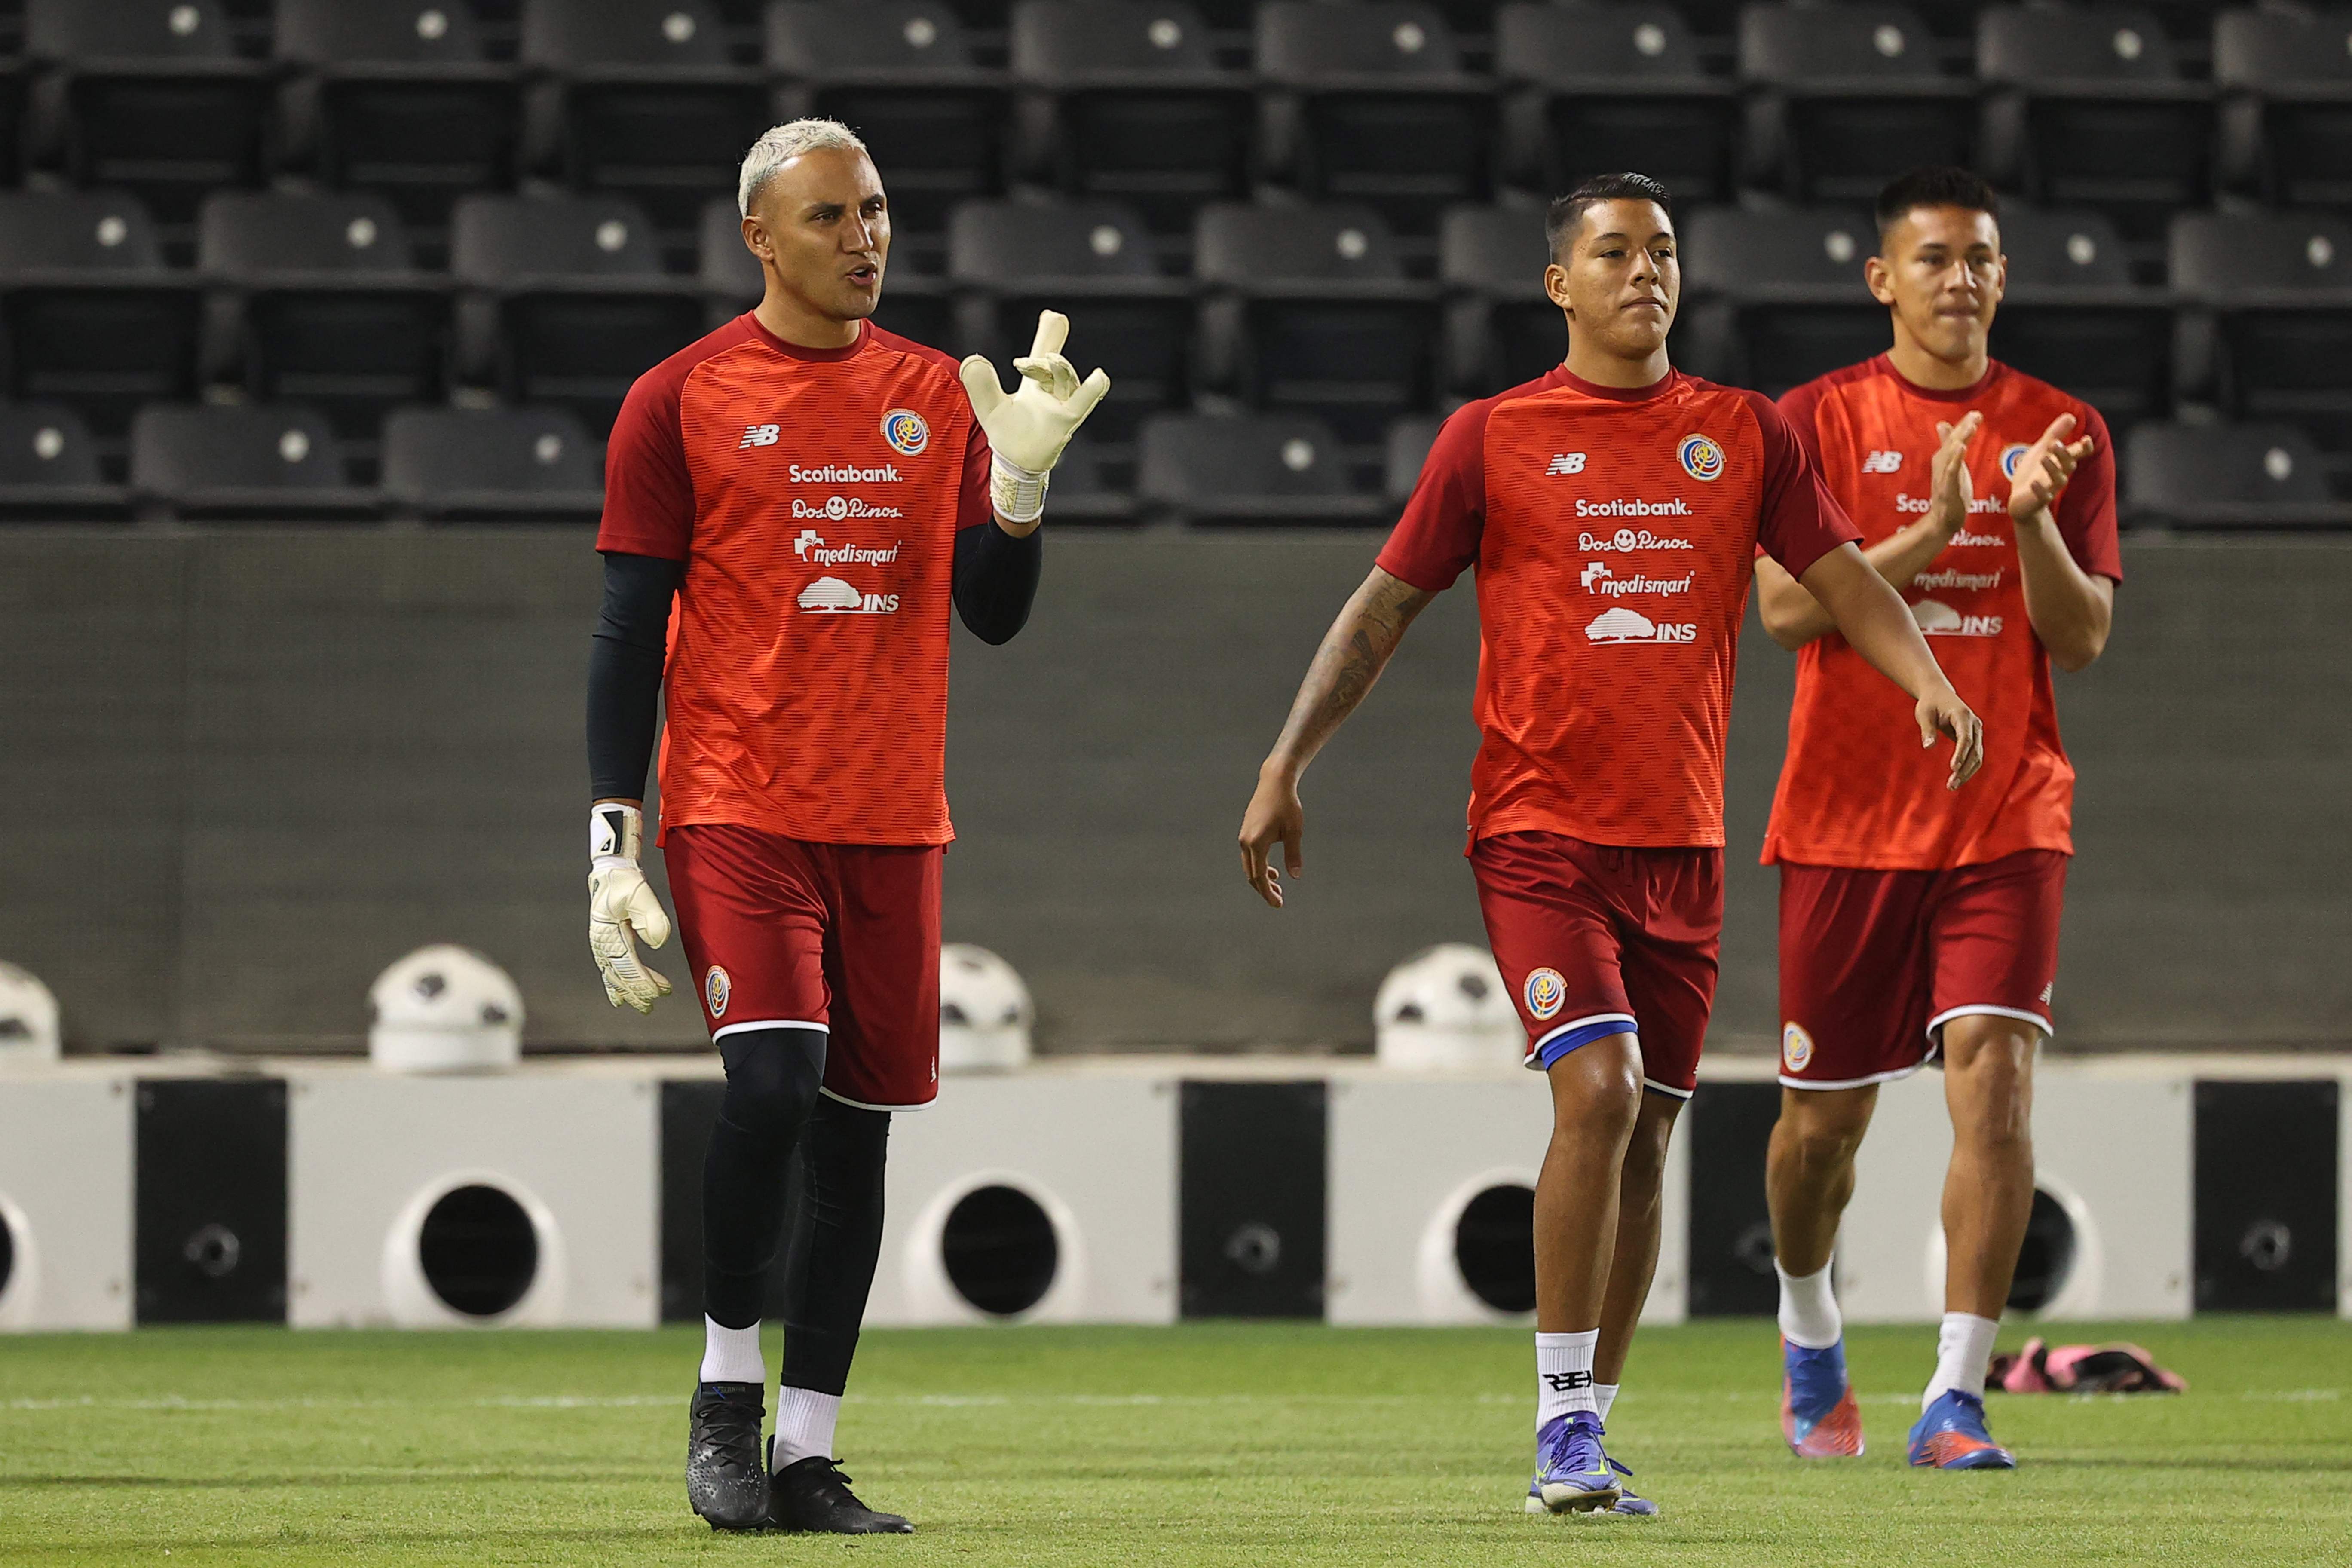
1027	430
622	907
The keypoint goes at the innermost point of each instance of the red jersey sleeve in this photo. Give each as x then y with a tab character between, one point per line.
974	505
1802	521
1438	534
2086	507
648	494
1800	405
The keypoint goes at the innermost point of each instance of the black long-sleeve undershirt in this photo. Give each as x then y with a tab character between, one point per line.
995	582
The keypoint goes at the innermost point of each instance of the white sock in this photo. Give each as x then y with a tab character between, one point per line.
1809	1308
1564	1375
1604	1394
1963	1348
804	1421
731	1355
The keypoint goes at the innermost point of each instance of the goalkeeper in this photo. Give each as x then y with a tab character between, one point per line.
810	492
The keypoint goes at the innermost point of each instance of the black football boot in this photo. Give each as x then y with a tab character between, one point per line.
813	1495
725	1481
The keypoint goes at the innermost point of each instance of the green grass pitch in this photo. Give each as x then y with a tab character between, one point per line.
1222	1443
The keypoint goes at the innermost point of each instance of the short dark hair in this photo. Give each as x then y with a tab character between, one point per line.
1567	211
1937	185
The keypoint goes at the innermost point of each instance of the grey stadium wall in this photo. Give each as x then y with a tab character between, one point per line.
246	769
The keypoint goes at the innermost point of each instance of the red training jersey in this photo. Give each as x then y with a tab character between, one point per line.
814	495
1857	789
1612	530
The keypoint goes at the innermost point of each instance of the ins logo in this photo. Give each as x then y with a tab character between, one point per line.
2010	456
716	989
905	430
1702	458
1546	992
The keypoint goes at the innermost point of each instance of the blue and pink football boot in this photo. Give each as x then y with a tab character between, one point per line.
1818	1415
1951	1436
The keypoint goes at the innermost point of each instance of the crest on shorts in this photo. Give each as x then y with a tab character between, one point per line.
2010	456
905	430
1796	1047
1702	458
1546	992
716	988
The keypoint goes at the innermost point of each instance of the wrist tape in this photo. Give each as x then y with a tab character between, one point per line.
1018	495
616	832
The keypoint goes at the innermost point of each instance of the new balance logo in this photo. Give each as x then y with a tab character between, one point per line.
758	435
1565	463
1881	462
1567	1382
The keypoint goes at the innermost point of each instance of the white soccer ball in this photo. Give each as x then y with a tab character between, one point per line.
984	1011
29	1019
1446	1008
444	1008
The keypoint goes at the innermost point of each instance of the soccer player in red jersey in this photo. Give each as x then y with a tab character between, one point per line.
811	493
1610	509
1915	921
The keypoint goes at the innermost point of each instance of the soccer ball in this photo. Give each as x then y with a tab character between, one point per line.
1446	1008
984	1011
29	1018
444	1008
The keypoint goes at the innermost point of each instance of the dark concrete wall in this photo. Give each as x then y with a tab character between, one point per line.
249	769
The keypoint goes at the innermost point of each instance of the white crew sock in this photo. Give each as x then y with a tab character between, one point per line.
731	1355
804	1421
1564	1375
1809	1308
1604	1394
1963	1348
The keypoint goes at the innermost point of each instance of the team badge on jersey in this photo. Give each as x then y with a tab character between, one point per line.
2010	456
1702	458
1546	992
716	988
1796	1047
905	430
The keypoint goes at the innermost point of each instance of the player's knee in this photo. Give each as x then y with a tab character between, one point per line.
773	1076
1824	1128
1988	1072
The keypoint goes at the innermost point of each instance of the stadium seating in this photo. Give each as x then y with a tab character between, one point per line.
1213	468
2286	106
1408	449
1081	491
1850	97
242	461
1308	309
453	465
1368	102
1501	328
2228	476
1124	100
2271	329
1773	299
2072	316
49	467
325	308
92	319
1592	88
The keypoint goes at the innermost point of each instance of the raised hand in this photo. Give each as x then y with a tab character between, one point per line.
1028	428
1951	491
2046	467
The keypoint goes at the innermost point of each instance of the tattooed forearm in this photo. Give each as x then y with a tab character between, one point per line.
1354	652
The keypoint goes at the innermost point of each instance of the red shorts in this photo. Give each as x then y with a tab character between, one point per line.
1594	941
1873	962
840	937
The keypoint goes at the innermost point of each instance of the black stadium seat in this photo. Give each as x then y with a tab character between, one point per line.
2088	108
1082	492
1409	441
91	316
1310	310
491	464
900	74
1501	328
1852	95
1123	101
2073	317
639	98
2274	292
914	304
49	468
241	461
1774	298
569	300
2286	109
2228	476
1368	102
150	96
396	97
1589	89
1093	262
329	310
1249	469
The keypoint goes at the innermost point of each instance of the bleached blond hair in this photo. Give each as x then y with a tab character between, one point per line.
782	143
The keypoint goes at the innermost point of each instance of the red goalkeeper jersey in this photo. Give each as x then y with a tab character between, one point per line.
1857	789
1612	531
814	496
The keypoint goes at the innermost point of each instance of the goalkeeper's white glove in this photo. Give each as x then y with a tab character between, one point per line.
622	908
1027	430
